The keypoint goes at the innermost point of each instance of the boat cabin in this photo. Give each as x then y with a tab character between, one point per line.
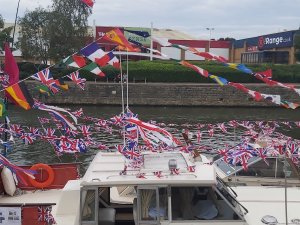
164	190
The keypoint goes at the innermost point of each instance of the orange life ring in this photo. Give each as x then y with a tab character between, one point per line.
45	183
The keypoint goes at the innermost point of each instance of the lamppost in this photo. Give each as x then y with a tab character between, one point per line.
210	29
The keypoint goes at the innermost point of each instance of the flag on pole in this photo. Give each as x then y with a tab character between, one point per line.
10	65
144	34
118	37
89	3
20	95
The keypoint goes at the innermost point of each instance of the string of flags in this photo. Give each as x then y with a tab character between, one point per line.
76	138
98	58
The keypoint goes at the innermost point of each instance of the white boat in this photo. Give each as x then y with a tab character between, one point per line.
170	188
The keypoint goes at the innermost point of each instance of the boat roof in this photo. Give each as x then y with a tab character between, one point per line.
106	169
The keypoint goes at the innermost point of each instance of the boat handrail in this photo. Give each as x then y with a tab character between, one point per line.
151	175
26	204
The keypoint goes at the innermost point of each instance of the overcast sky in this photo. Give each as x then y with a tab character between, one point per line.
229	18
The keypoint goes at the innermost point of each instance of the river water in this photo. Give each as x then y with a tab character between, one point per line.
41	151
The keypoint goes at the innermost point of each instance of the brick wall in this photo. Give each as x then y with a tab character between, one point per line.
163	94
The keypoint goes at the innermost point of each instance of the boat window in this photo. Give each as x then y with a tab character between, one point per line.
273	170
199	203
148	204
88	209
153	204
228	169
104	196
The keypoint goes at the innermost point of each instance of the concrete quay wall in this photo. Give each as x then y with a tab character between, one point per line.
163	94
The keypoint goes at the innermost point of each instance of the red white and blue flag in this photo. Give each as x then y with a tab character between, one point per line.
75	77
46	78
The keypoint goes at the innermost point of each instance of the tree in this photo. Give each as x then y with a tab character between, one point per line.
5	33
297	46
68	28
54	33
34	39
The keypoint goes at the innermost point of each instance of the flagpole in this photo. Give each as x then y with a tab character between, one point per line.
151	42
13	39
122	92
127	81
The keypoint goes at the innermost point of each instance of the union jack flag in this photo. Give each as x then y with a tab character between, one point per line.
2	129
191	169
34	131
233	123
4	79
222	127
211	132
158	174
17	129
28	138
132	153
43	120
141	175
199	136
75	77
132	132
297	123
46	78
44	215
174	171
42	212
85	131
287	124
49	134
78	113
102	146
49	218
71	132
117	120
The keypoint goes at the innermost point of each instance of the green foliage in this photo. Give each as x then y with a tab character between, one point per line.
170	71
5	33
68	28
54	33
297	45
34	40
1	22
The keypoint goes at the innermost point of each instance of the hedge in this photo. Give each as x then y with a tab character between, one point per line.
171	71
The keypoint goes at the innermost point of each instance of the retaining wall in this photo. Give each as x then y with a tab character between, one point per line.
163	94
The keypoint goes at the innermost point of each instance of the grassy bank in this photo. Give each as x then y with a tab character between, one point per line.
170	71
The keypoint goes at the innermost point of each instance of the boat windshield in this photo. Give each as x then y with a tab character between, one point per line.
258	168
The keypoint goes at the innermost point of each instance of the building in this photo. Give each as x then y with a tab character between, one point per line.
276	48
221	48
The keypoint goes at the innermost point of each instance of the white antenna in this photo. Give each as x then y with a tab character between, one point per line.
127	81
